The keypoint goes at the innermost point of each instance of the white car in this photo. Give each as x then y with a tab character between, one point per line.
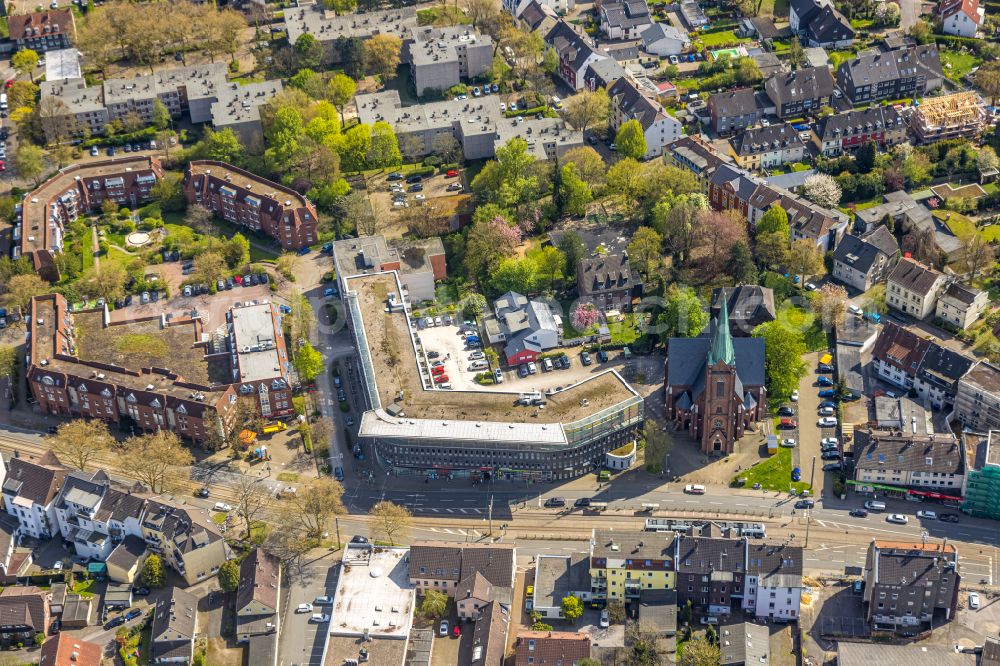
927	515
829	441
443	628
826	411
420	197
605	619
789	442
795	396
319	618
897	518
827	422
477	356
811	287
222	506
304	608
973	600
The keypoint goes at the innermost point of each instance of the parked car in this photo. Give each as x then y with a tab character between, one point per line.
222	506
555	502
602	356
897	518
325	600
829	441
974	602
141	592
826	411
497	376
605	619
927	515
582	502
395	175
532	368
827	393
319	618
859	513
827	403
477	356
824	381
114	622
948	518
787	424
788	443
827	422
443	628
832	467
785	410
795	395
132	614
202	492
825	367
585	358
830	455
357	538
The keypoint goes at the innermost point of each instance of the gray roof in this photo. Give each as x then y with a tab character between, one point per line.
880	67
907	452
749	306
627	14
808	83
128	552
858	121
703	555
633	104
755	141
687	357
828	26
658	608
991	652
943	367
663	30
914	276
734	103
605	72
633	545
174	623
862	253
866	654
598	274
961	293
744	643
773	559
558	576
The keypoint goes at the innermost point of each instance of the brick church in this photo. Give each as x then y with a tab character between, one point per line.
715	385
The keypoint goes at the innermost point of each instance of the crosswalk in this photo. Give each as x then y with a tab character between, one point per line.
475	534
432	509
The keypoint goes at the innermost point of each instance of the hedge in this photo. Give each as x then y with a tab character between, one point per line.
544	110
121	139
422	171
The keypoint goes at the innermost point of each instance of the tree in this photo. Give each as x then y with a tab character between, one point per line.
775	220
588	108
57	121
199	219
866	155
875	299
357	208
9	359
237	251
381	55
29	161
308	51
572	608
772	249
917	169
644	250
79	442
700	652
988	79
584	316
590	166
160	115
209	267
986	158
796	54
921	32
487	243
719	231
153	574
684	315
22	288
822	190
573	249
830	301
308	362
25	61
616	611
805	258
514	274
340	91
447	148
168	192
106	280
389	520
783	351
978	253
434	605
253	498
631	140
550	263
309	82
741	265
153	459
315	504
223	146
574	193
229	575
384	149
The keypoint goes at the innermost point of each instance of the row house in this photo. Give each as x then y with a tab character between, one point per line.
731	189
623	564
910	587
42	31
908	71
455	568
78	190
803	91
575	53
927	462
767	147
843	132
30	491
192	546
734	110
711	571
912	288
95	517
175	622
25	613
773	587
692	153
258	598
248	200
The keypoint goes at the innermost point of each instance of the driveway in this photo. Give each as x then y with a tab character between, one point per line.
810	434
908	13
302	640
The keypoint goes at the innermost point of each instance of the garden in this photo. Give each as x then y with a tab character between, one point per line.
774	473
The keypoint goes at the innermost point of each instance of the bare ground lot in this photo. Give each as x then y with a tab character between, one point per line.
211	307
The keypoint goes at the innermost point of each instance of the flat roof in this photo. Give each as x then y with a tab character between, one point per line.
374	594
255	338
558	576
236	103
393	358
62	64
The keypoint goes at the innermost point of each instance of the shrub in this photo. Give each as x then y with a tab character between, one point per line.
422	171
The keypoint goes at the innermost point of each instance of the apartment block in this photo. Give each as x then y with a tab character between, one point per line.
261	365
248	200
848	131
420	263
913	288
443	57
558	577
43	31
450	567
328	27
908	71
977	404
237	107
773	585
190	543
625	563
962	114
934	462
630	102
961	305
30	490
767	147
982	483
711	570
910	587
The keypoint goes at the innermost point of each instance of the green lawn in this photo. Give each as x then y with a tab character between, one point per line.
837	57
445	15
711	39
624	332
960	63
85	588
777	9
774	473
862	24
799	319
219	518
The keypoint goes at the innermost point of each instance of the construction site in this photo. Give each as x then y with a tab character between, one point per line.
948	117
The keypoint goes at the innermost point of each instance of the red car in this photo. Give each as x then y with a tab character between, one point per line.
3	167
437	370
238	279
440	379
451	174
788	424
9	84
457	632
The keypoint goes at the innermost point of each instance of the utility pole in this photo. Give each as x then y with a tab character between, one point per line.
336	522
808	523
812	473
491	515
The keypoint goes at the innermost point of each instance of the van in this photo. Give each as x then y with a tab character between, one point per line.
874	505
694	489
547	364
854	310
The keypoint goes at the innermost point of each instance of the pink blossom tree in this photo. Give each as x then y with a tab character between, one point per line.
584	316
509	236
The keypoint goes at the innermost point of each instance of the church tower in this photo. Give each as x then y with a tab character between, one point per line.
722	417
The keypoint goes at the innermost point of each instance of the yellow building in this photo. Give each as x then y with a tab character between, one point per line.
623	563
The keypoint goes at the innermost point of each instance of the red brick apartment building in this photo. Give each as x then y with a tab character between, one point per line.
74	191
248	200
43	31
80	364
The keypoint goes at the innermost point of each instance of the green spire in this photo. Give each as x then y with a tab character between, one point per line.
722	341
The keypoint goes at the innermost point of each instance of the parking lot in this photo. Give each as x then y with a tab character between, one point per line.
301	639
211	308
450	345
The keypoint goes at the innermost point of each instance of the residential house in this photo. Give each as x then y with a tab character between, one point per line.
191	545
628	102
527	328
773	587
24	612
42	31
125	561
744	644
95	517
65	650
849	130
625	563
959	115
30	491
749	307
694	154
663	39
489	636
913	288
175	622
960	305
938	376
627	19
734	110
603	74
808	221
977	403
551	648
475	594
694	16
558	577
897	355
767	147
446	566
863	261
909	71
928	462
608	282
962	18
731	188
10	534
711	570
818	23
532	15
910	586
658	612
802	91
575	53
258	595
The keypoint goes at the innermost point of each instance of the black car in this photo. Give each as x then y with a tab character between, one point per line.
581	503
229	283
416	187
415	178
114	622
602	356
128	300
395	175
785	410
859	513
830	455
263	278
359	539
805	504
52	430
948	517
202	492
433	354
555	501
